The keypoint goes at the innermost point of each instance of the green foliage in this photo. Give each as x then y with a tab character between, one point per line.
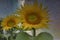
23	36
44	36
41	36
1	35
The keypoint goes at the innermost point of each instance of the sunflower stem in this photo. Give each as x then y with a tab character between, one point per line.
34	32
7	38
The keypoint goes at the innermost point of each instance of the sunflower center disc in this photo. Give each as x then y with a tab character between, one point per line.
33	18
10	23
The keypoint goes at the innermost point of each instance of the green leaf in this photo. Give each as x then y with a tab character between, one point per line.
23	36
44	36
1	35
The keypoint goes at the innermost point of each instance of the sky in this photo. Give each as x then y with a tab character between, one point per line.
9	6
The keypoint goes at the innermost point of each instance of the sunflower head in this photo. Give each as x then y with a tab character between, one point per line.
10	22
33	16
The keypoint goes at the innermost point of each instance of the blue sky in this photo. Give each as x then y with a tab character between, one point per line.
9	6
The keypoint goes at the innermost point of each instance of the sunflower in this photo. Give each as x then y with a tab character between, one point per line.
10	22
34	16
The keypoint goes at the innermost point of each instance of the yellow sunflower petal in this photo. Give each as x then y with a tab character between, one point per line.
41	6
